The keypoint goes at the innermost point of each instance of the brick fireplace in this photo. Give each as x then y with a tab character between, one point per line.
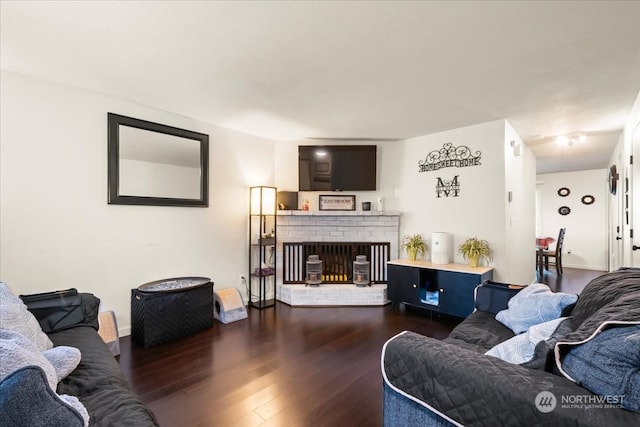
335	226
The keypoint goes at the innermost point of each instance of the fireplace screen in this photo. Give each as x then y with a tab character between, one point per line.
337	261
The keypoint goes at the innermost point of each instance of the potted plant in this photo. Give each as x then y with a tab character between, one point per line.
473	249
414	246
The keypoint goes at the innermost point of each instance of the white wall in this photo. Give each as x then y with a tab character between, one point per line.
586	244
628	145
56	229
480	209
520	171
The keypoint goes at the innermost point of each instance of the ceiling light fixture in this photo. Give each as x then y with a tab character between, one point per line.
570	139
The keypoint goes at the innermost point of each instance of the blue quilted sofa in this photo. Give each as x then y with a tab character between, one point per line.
583	370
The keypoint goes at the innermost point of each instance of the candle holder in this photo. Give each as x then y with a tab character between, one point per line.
314	271
361	271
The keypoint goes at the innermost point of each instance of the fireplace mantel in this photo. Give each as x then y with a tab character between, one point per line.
337	213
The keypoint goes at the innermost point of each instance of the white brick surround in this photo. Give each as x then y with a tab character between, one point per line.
338	226
324	295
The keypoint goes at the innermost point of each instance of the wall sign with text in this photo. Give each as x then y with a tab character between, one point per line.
450	157
337	203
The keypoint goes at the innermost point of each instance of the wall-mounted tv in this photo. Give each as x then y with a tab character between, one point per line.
337	167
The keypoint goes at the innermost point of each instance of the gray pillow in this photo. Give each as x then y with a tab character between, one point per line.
533	305
26	400
14	316
17	352
608	365
63	359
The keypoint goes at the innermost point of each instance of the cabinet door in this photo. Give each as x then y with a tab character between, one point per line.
403	283
456	292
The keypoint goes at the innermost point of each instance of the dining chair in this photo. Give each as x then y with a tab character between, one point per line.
556	253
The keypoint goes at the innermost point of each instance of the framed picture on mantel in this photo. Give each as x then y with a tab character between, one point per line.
337	203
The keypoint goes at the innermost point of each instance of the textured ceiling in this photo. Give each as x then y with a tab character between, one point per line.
361	70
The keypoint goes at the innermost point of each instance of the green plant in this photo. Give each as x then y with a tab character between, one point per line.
473	249
414	245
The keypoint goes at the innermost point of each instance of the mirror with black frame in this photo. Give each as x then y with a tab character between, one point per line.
155	164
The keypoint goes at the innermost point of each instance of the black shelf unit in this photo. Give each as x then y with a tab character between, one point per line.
443	288
262	245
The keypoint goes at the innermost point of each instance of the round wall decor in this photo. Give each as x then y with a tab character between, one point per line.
564	210
588	199
564	192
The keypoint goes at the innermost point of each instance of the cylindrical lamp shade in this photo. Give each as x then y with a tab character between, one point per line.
263	200
441	248
314	270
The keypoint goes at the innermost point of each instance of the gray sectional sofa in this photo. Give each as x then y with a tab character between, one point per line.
586	372
66	377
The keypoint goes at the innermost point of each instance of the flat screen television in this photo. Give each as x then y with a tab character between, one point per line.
337	167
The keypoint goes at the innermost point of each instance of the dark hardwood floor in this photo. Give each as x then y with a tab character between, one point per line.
284	366
572	281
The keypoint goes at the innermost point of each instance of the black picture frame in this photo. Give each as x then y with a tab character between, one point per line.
588	199
564	210
330	202
114	124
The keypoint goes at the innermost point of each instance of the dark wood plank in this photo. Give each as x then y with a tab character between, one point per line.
572	281
284	366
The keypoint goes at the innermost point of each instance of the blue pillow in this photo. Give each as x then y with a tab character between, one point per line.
521	348
532	305
609	365
27	400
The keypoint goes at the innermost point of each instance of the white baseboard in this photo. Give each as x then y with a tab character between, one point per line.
582	267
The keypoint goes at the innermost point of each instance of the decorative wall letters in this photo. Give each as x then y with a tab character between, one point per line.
449	157
447	188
